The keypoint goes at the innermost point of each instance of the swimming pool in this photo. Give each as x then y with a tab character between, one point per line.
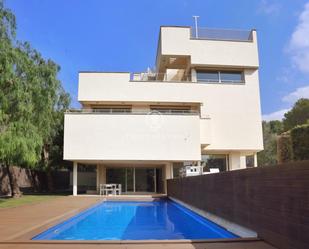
122	220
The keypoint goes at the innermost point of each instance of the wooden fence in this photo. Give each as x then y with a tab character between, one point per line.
273	200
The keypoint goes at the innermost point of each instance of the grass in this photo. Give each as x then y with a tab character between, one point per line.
24	200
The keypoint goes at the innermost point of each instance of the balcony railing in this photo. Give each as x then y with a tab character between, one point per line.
159	77
132	112
221	34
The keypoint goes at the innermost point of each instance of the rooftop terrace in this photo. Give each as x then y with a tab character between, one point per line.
221	34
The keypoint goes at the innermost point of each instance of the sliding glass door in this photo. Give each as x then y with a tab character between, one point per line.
145	180
117	175
135	179
130	180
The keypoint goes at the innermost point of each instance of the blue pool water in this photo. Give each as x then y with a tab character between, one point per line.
159	220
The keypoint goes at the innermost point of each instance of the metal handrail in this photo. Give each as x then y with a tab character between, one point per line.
161	77
131	112
221	34
220	81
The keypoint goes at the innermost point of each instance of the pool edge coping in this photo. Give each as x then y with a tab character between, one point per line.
85	242
241	231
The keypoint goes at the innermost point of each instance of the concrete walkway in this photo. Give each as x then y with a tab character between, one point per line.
18	225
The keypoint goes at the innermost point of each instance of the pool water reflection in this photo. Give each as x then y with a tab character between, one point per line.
158	220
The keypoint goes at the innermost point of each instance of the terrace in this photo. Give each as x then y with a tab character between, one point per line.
222	34
19	225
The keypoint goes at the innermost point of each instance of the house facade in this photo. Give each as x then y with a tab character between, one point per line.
199	107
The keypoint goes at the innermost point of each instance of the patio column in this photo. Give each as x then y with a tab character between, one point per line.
168	174
98	178
74	178
255	160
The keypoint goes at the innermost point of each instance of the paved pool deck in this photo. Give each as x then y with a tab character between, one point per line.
18	225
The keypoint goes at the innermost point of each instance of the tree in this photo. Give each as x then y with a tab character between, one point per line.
275	126
52	152
300	142
298	115
30	98
270	131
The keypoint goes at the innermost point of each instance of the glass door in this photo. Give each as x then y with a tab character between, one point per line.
116	176
129	179
135	179
145	180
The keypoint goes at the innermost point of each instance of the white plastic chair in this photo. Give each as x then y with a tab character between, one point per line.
108	189
118	189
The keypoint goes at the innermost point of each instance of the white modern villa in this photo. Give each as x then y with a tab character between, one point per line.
199	107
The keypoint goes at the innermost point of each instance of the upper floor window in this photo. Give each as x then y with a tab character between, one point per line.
171	109
220	76
112	109
207	76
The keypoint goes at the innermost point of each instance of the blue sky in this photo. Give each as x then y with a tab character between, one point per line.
122	36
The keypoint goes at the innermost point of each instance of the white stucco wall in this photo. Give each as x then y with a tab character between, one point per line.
131	137
234	109
176	41
230	118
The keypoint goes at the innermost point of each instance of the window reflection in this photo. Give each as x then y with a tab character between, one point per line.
214	161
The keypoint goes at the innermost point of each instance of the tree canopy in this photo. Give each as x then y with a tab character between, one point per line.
298	115
270	131
31	98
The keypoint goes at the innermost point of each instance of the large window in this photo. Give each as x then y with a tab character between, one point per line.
171	109
112	109
176	169
87	177
214	161
250	161
231	76
220	76
136	179
207	76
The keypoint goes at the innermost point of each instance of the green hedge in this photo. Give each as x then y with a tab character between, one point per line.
300	142
284	148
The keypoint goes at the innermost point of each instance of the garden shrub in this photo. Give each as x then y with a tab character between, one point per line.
284	148
300	142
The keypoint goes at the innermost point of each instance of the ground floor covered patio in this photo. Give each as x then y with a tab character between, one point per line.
135	178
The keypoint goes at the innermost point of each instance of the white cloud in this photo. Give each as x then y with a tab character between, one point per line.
298	48
269	7
299	43
302	92
278	115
